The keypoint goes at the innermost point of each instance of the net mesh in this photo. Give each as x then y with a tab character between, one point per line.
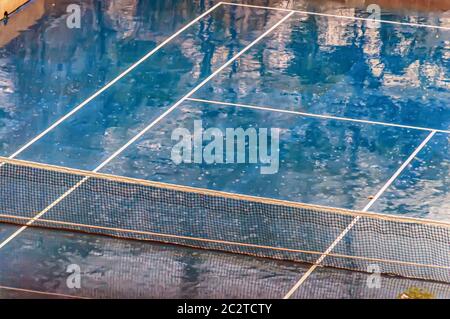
55	197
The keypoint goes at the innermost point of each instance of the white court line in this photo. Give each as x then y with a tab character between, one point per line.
42	292
114	81
357	218
31	221
145	130
339	16
321	116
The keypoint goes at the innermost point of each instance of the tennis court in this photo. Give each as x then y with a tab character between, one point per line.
88	177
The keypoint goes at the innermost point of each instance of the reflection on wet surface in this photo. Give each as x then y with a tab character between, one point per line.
38	259
324	162
397	74
112	268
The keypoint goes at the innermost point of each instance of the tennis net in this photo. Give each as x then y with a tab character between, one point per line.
40	195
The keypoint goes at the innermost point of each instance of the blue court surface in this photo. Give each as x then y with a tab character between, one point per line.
362	112
111	268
